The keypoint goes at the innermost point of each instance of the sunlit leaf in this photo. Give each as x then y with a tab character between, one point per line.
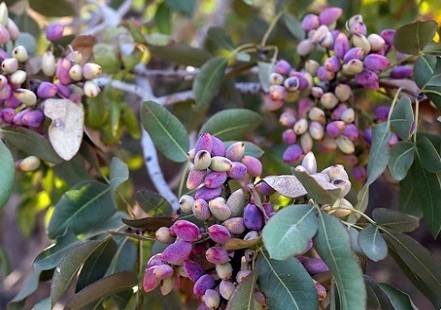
401	158
402	118
7	175
153	204
316	189
379	153
372	243
83	207
232	123
119	172
412	38
167	132
243	297
208	81
396	220
333	245
286	284
220	37
289	231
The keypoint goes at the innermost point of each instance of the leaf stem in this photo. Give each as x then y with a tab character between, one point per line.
415	125
271	28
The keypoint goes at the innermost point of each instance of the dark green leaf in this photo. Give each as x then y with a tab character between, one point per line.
105	55
181	54
419	260
115	283
149	223
316	189
30	142
208	81
29	287
402	118
433	87
399	299
412	38
379	153
185	7
289	231
401	158
153	204
265	70
167	132
47	8
119	173
428	190
250	148
126	256
383	298
7	175
66	272
232	123
429	157
372	243
333	245
286	284
163	18
243	297
220	37
394	219
424	69
408	199
113	223
294	26
83	207
96	265
73	171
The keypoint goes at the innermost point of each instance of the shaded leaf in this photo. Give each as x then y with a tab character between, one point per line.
126	256
220	37
243	296
43	304
105	55
265	70
396	220
402	118
47	8
321	192
167	132
423	69
372	243
185	7
401	158
383	298
31	143
399	299
412	38
286	284
294	26
149	223
208	81
238	244
83	207
181	54
420	262
408	199
119	173
153	204
7	175
333	245
232	124
29	287
429	157
379	153
112	284
289	231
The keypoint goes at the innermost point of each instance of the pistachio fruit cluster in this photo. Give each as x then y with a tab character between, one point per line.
325	109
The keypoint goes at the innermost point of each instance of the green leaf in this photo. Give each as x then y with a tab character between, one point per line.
47	8
381	296
97	264
153	204
115	283
412	38
401	158
163	18
402	118
167	132
333	245
286	284
52	256
428	190
43	304
289	231
220	37
83	207
429	157
395	219
185	7
149	223
408	199
379	153
232	124
130	121
372	243
105	55
265	70
243	296
119	173
423	69
399	299
31	143
250	148
29	287
294	26
7	175
419	260
316	190
126	256
66	272
208	82
181	54
433	87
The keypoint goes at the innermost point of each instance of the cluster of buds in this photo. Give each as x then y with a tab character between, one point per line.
197	253
323	92
22	95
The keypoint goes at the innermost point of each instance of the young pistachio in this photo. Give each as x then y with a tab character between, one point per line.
76	73
91	70
48	63
54	32
91	89
25	96
18	77
10	65
20	53
204	283
212	299
5	37
12	27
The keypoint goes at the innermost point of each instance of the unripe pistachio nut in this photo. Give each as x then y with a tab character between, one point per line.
193	270
212	299
219	208
235	225
315	266
226	289
217	255
195	178
163	235
162	271
237	171
201	210
218	233
236	202
253	217
204	283
186	230
177	252
202	160
254	166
